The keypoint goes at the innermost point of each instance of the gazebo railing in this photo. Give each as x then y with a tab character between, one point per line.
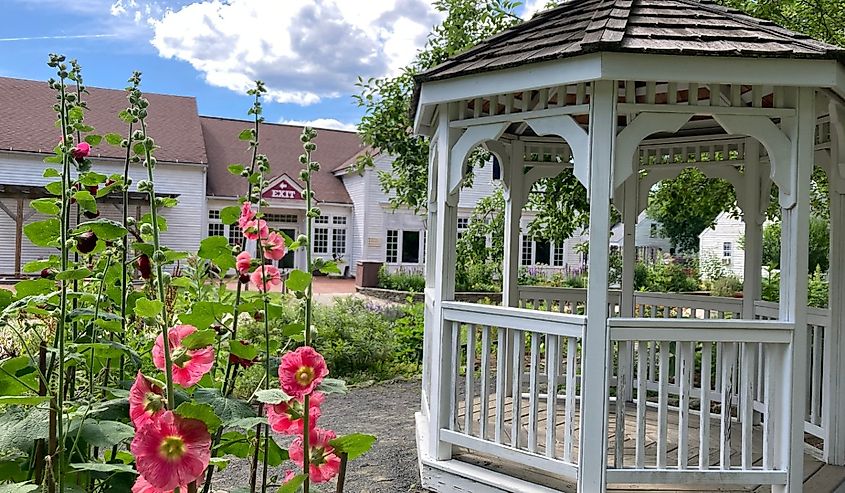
520	405
697	416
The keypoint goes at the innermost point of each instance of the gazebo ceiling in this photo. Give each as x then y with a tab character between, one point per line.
668	27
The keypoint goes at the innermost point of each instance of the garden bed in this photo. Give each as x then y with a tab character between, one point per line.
397	296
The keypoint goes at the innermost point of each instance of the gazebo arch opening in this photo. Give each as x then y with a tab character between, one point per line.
560	389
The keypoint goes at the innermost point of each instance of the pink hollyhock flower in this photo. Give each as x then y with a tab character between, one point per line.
324	463
247	214
301	371
267	277
286	417
274	246
143	486
146	401
81	151
256	229
289	474
242	262
189	365
171	451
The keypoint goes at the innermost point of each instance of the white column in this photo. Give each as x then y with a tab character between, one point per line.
753	229
630	211
444	288
793	291
514	202
833	413
593	449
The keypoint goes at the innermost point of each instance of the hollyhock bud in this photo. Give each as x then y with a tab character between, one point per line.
86	242
243	278
91	215
144	266
81	151
45	273
93	189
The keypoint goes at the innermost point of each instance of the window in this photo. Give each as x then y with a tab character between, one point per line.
727	248
216	229
392	246
410	247
559	259
497	169
339	242
463	224
321	240
281	218
652	232
542	252
321	219
214	214
236	236
339	221
527	256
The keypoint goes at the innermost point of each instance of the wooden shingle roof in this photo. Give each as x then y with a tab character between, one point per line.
676	27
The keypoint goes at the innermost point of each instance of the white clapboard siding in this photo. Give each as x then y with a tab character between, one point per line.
187	222
712	240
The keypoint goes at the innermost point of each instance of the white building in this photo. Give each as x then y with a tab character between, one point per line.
723	242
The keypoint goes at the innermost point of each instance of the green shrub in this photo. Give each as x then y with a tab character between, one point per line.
408	329
401	280
726	286
480	278
672	277
817	289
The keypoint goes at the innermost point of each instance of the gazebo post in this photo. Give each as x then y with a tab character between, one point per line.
630	212
752	276
515	196
789	452
595	344
833	420
444	285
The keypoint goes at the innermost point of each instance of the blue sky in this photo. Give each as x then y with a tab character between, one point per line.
309	53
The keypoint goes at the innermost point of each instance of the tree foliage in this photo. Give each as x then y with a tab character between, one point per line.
821	19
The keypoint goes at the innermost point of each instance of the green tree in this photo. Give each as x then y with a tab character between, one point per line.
819	244
821	19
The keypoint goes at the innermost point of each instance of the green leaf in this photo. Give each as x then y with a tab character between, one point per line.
101	467
39	265
354	445
22	400
125	116
34	287
225	408
94	139
218	462
86	201
92	178
234	443
20	427
230	214
293	330
162	221
43	233
275	454
51	173
17	376
218	250
105	229
332	386
247	423
73	274
102	434
19	488
293	485
241	350
199	339
148	308
236	169
113	139
46	205
246	134
205	313
298	281
271	396
202	412
139	149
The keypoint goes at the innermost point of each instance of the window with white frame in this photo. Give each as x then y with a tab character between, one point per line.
527	256
321	220
410	247
321	240
214	214
559	258
339	242
727	249
330	235
216	229
652	231
463	224
392	243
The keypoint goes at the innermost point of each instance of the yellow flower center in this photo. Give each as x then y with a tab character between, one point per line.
304	375
172	447
152	402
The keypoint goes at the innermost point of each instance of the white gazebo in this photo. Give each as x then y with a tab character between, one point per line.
564	389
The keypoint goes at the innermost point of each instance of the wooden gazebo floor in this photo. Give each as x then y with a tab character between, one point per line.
818	476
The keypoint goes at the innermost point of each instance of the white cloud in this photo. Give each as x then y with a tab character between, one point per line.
329	123
304	51
532	7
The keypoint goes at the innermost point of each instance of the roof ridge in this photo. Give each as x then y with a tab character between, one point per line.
757	23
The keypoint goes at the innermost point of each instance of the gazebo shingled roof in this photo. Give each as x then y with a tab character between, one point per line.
677	27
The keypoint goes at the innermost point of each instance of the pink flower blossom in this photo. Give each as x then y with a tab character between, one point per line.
171	451
247	214
301	371
243	261
143	486
81	151
256	229
289	474
274	246
324	464
146	401
265	278
286	417
189	365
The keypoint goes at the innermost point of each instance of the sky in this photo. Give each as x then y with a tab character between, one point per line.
309	53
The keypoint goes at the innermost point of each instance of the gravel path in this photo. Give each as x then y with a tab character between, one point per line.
385	410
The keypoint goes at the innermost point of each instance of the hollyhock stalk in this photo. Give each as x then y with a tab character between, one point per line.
309	222
124	264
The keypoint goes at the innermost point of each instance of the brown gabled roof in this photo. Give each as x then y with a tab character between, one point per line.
27	121
679	27
281	144
353	160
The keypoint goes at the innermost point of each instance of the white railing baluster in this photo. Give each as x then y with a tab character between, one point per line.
552	368
770	396
518	352
501	382
453	375
534	392
485	381
569	416
728	363
621	398
747	406
663	405
816	372
642	401
704	417
469	393
686	363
